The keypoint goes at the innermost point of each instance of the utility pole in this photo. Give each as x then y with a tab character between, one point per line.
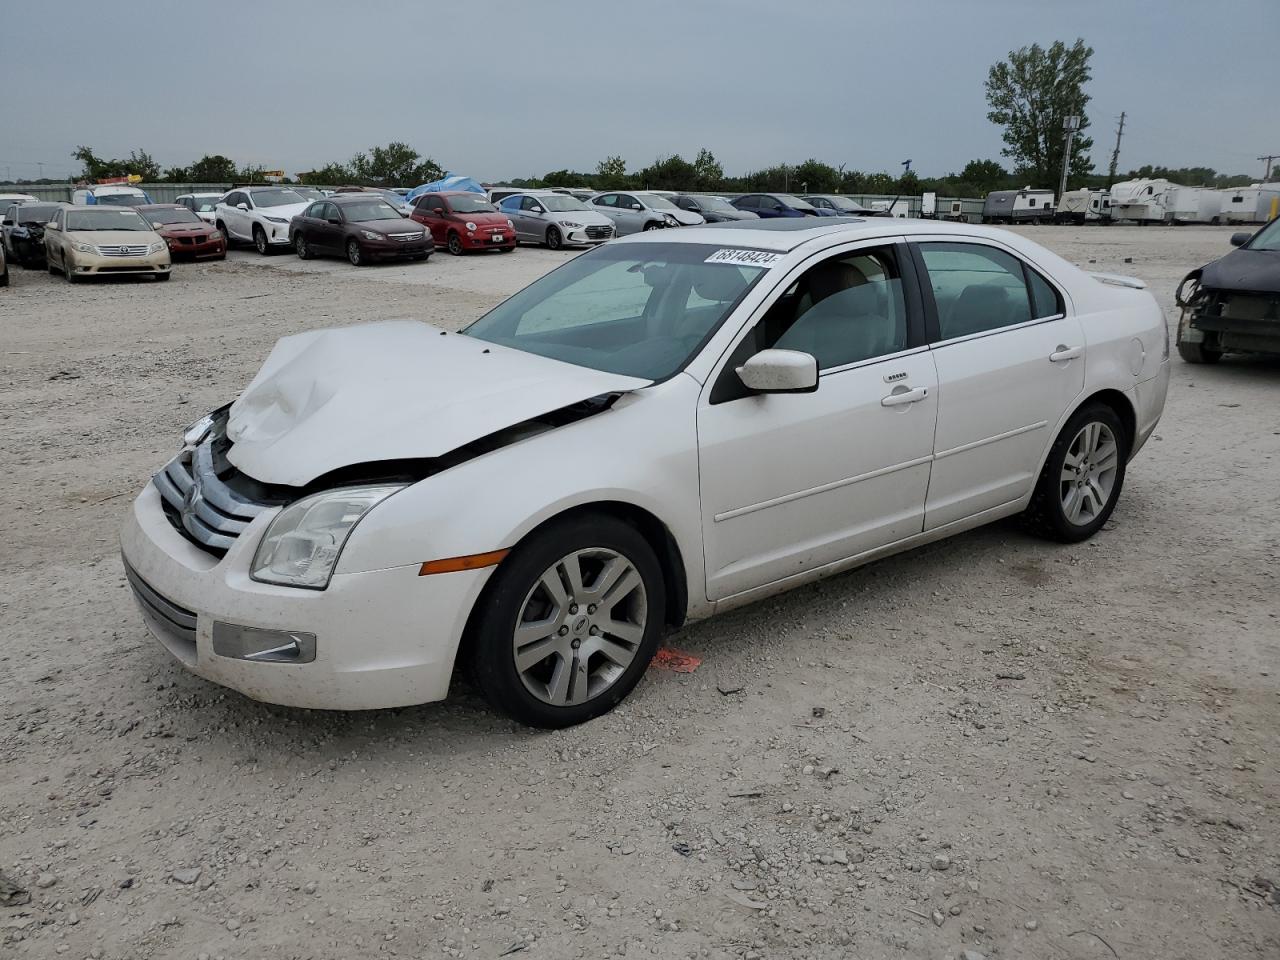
1115	154
1266	177
1070	125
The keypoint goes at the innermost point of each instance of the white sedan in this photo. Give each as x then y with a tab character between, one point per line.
661	429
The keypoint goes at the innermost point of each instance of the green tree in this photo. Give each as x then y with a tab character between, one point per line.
670	173
708	170
139	162
1029	95
984	175
330	175
396	164
611	173
212	168
814	176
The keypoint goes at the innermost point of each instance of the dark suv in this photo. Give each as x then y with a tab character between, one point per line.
360	226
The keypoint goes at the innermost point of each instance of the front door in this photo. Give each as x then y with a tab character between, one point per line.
792	482
1010	365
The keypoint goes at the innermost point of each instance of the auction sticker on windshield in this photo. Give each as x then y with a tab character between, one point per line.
744	258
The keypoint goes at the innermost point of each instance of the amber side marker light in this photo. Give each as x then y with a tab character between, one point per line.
453	564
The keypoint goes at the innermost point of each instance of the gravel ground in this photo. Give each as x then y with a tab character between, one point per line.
993	744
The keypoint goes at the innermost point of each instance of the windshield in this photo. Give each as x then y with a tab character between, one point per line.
275	198
1268	238
471	204
36	212
658	202
715	203
119	200
207	204
843	203
308	193
105	220
180	215
360	210
794	203
559	202
641	310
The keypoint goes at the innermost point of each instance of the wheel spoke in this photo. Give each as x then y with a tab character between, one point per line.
621	587
619	653
555	589
1072	503
1107	458
621	630
531	631
535	653
1099	497
559	684
571	568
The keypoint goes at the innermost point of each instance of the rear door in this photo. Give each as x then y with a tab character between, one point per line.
1010	359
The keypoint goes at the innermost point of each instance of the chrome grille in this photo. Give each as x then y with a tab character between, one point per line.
406	237
123	250
199	505
596	232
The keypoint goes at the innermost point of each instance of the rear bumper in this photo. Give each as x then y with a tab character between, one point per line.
1148	400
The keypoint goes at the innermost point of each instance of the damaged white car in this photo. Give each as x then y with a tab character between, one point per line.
661	429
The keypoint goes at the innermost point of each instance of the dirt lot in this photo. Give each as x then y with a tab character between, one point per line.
993	744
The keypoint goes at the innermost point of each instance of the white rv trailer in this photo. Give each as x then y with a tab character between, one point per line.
1018	206
1084	206
1256	203
1194	205
1145	201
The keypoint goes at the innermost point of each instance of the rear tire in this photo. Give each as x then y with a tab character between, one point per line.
1082	476
1198	353
566	688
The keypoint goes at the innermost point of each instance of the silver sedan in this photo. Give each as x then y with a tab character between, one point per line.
555	219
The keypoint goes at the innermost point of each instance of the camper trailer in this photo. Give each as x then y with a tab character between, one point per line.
1145	201
1256	203
1194	205
1018	206
1084	206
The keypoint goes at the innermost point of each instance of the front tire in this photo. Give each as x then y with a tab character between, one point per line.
260	241
455	245
226	236
569	622
69	271
354	254
301	248
554	238
1082	476
652	225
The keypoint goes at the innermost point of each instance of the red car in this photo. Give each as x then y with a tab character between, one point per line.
187	235
462	221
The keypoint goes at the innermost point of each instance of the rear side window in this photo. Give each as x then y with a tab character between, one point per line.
976	288
1044	297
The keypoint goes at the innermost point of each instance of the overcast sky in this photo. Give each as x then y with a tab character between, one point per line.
505	88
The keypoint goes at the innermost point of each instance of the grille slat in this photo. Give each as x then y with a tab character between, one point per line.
123	250
596	232
199	504
174	625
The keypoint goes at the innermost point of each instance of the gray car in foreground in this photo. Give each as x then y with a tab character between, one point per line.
556	219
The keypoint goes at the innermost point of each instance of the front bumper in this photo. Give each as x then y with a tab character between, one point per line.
92	264
390	249
383	638
482	239
196	250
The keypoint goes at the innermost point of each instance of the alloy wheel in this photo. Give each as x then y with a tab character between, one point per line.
260	240
1089	473
353	253
580	626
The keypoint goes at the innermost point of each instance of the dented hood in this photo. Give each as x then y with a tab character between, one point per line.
390	391
1244	271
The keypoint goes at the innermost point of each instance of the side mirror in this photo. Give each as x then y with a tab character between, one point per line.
636	206
8	222
334	220
537	209
780	371
242	206
50	226
1237	239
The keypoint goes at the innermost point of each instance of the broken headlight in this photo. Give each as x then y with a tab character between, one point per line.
302	545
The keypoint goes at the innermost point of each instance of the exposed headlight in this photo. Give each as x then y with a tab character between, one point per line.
156	247
370	235
194	433
671	221
470	225
511	224
86	247
304	541
569	223
275	219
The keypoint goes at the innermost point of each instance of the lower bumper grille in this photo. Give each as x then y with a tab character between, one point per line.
175	625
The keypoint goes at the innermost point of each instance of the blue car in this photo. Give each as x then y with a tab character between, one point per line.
778	205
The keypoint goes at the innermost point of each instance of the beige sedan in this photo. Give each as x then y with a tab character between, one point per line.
86	241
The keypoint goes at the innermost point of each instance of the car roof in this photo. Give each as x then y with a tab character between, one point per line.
159	206
784	234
